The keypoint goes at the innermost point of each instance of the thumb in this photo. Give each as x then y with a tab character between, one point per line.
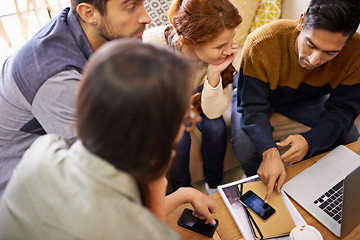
284	142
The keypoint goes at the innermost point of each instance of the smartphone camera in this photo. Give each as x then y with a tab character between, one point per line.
189	221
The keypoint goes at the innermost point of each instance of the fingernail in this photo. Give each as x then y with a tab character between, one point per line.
213	222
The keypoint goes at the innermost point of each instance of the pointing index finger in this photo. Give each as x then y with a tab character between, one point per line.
269	190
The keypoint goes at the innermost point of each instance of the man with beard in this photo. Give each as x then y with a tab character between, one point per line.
39	83
308	70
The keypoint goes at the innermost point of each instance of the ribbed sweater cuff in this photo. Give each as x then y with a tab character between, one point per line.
314	139
264	142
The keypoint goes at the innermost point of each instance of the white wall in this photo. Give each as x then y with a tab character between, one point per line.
291	9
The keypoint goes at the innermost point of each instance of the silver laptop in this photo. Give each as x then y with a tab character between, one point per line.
330	190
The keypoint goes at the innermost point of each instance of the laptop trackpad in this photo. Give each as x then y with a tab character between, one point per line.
324	173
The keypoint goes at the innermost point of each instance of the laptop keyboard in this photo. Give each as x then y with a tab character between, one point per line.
330	202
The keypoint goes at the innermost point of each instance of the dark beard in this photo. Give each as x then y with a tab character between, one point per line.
105	33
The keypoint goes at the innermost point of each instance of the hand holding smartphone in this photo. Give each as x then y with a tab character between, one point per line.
189	221
257	205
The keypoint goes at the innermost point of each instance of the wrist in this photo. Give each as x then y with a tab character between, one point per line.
270	154
213	82
187	194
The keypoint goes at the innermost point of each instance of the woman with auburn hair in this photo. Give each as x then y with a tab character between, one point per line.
110	184
203	31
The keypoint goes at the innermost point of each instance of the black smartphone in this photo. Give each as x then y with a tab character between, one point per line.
257	205
189	221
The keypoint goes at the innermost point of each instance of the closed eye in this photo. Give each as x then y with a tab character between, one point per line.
220	47
130	7
310	45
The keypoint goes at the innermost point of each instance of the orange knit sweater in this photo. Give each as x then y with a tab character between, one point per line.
270	75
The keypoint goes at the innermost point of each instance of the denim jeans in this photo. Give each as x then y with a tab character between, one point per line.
213	147
306	112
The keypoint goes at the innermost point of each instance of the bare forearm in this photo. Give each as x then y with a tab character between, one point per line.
204	206
173	200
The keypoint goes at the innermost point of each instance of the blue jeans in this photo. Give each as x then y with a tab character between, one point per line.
306	112
213	147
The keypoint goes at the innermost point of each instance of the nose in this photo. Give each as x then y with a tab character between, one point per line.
227	50
144	18
315	58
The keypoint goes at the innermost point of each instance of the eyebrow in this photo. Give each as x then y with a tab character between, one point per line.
222	44
309	40
126	1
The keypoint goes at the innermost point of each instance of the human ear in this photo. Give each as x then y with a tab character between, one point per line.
300	25
88	13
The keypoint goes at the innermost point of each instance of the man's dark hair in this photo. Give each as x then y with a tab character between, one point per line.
98	4
333	15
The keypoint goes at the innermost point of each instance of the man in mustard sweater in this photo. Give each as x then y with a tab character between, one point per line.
308	70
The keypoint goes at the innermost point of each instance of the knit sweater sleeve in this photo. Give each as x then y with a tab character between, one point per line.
253	94
155	35
335	122
343	105
214	100
264	56
270	76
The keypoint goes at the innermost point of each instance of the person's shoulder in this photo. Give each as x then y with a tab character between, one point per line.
155	34
351	50
157	31
43	150
141	223
50	142
355	39
39	159
274	29
276	34
283	24
136	221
